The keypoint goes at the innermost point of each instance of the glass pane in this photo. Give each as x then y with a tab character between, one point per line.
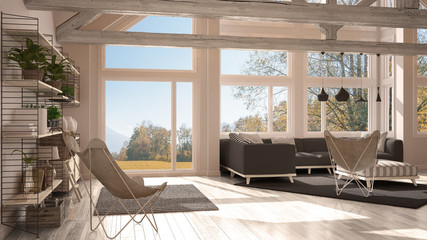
158	24
347	2
422	109
422	35
314	110
148	58
280	109
316	1
390	65
184	115
266	63
349	115
331	65
138	132
422	66
244	108
422	60
390	109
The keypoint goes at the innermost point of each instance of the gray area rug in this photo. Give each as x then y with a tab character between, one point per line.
175	198
385	192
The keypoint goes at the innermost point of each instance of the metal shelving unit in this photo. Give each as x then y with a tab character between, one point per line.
24	124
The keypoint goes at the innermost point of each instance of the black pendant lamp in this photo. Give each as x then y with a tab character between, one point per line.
342	94
378	95
361	99
378	88
322	96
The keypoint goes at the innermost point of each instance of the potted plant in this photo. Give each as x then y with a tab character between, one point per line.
56	71
32	178
68	91
31	59
53	115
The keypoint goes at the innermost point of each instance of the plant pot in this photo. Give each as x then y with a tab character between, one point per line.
53	123
55	84
36	74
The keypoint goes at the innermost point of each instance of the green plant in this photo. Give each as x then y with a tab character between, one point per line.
26	159
32	57
53	113
57	70
67	90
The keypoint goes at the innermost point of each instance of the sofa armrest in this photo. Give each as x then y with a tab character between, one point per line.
269	158
395	148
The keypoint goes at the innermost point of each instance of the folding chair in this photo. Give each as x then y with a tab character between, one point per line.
101	164
350	157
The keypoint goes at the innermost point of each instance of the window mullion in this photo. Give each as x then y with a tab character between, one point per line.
270	109
173	127
323	116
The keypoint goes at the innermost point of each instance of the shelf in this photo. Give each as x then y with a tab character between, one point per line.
32	85
73	103
31	198
29	136
42	41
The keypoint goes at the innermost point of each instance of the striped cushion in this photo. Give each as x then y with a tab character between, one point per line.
387	168
236	138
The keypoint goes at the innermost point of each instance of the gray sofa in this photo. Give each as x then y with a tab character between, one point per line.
259	160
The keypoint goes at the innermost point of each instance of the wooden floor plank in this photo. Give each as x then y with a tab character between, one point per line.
249	213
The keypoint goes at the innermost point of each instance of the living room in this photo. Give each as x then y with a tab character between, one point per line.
199	79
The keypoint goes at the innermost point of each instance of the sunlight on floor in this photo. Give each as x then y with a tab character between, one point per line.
283	212
414	233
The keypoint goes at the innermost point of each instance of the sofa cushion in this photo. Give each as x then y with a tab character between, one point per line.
251	137
312	159
312	145
283	140
236	138
383	155
299	144
381	142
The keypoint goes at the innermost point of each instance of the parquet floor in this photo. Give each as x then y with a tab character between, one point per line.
247	213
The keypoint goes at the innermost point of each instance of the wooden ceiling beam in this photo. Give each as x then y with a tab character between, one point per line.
234	42
278	11
329	31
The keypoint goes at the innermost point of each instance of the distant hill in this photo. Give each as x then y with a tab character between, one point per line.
115	140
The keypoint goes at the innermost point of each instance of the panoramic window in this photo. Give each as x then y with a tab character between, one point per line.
137	57
262	63
138	132
332	65
340	116
422	60
240	112
422	109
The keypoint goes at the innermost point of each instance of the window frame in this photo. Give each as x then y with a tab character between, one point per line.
156	75
265	81
269	82
335	82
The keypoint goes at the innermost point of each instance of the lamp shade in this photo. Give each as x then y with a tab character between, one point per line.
323	96
342	95
378	95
